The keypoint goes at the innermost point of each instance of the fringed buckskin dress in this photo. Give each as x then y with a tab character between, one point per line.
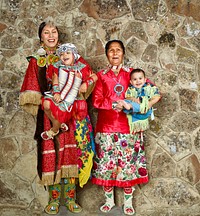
70	153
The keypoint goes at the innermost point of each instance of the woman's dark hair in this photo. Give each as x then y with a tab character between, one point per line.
137	70
112	41
42	25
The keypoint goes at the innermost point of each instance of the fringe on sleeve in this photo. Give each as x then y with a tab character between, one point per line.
29	101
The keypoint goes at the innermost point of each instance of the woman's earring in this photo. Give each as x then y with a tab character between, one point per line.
41	44
58	44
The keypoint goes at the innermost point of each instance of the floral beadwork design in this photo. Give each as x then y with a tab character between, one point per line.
119	157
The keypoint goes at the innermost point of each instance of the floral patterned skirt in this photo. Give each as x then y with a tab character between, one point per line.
120	160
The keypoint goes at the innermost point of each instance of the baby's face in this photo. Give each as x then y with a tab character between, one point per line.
67	58
138	79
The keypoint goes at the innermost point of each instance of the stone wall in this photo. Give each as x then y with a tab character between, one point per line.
163	38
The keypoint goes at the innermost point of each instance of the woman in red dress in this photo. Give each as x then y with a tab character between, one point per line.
69	154
120	158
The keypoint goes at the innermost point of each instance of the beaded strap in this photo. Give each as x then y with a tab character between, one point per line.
89	81
55	89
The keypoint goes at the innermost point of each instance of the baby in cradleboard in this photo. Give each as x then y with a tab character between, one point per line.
140	97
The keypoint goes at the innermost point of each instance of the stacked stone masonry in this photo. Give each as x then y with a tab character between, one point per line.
163	38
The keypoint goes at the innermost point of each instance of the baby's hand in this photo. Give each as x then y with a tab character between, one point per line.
57	98
77	74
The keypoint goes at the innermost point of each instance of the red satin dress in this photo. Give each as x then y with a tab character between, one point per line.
120	158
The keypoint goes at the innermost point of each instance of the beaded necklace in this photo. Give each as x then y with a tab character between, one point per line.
44	59
118	88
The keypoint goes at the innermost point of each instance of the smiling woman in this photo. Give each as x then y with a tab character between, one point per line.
64	139
48	35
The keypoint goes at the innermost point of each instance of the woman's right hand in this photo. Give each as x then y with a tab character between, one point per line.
119	106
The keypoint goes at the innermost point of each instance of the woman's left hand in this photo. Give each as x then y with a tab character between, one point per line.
83	88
